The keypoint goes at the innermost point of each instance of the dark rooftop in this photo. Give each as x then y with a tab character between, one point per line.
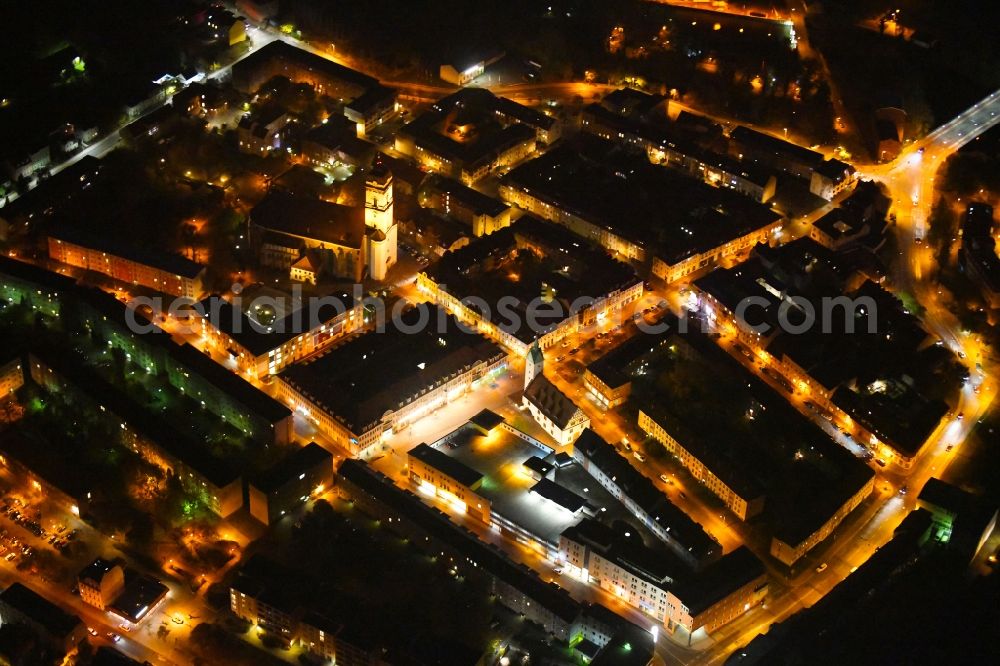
772	144
477	202
564	497
235	387
172	263
56	621
446	464
140	594
663	211
362	379
486	419
310	218
749	436
689	534
439	526
292	465
259	338
497	266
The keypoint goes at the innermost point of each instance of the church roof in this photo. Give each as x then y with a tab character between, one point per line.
555	405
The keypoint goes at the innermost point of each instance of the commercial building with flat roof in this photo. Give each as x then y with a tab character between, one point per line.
360	391
637	210
162	271
436	472
532	281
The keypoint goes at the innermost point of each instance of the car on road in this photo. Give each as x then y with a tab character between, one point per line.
665	478
821	568
92	631
115	637
574	350
638	456
628	447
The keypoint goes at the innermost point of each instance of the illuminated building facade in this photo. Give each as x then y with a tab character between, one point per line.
367	102
744	504
680	533
380	222
482	213
659	586
167	273
437	473
363	390
551	408
100	583
472	134
535	263
11	377
576	187
260	350
669	148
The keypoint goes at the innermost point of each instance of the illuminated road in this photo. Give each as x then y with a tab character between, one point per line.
910	180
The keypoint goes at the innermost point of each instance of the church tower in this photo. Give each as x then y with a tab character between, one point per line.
380	224
533	364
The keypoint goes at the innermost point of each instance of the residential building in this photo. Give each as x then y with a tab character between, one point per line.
161	271
371	108
472	134
305	472
592	190
100	583
482	213
21	607
769	151
367	102
259	350
537	281
830	178
11	377
259	133
666	145
39	289
685	537
661	586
